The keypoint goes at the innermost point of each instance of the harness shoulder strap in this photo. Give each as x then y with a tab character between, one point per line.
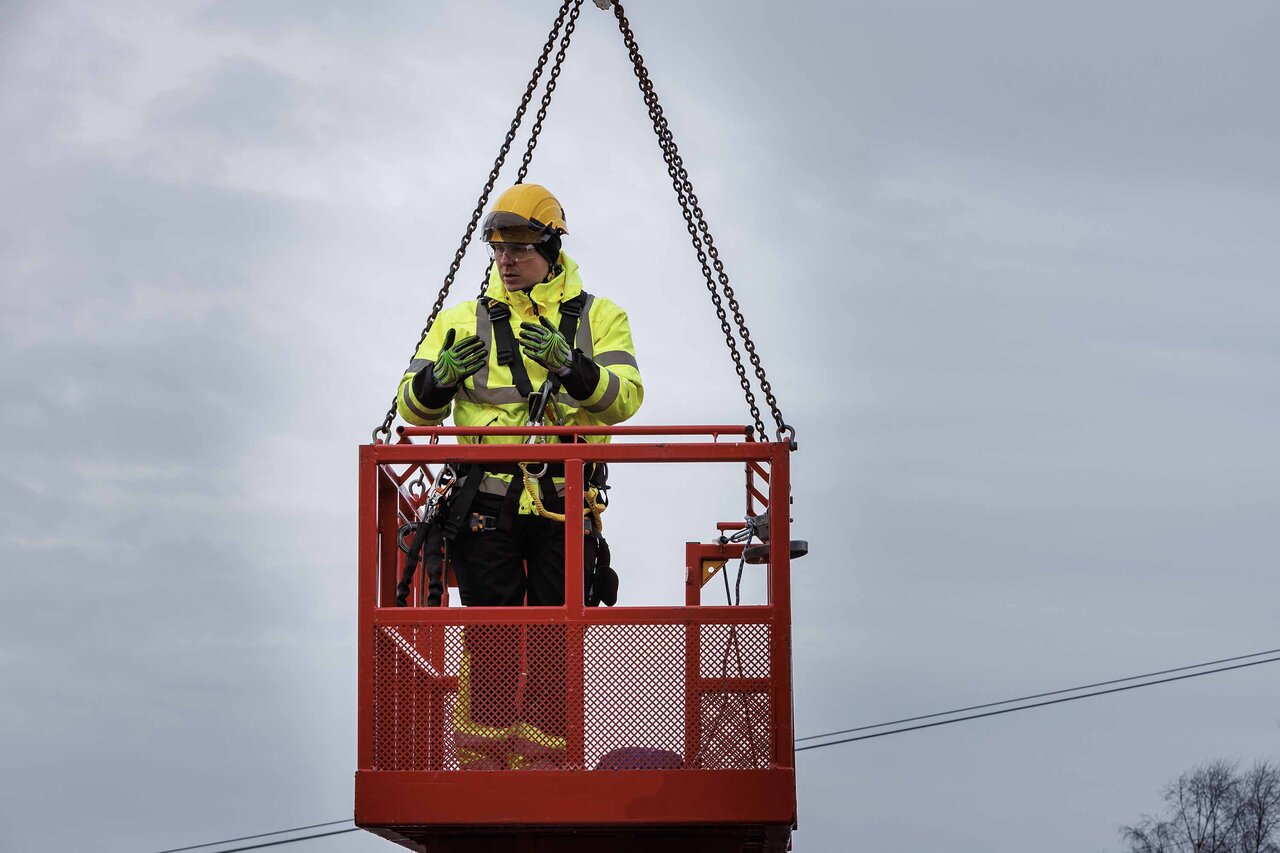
504	341
570	314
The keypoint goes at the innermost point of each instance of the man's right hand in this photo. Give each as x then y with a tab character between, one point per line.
459	360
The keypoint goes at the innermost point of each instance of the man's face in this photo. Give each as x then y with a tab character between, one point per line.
519	265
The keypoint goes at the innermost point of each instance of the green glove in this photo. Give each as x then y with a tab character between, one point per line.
544	344
458	361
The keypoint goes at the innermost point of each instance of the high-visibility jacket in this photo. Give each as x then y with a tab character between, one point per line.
490	397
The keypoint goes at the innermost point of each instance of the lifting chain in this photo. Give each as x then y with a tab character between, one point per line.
384	429
552	79
541	116
703	244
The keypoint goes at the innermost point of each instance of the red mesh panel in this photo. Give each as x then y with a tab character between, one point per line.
734	651
497	697
411	685
635	696
735	731
486	697
735	728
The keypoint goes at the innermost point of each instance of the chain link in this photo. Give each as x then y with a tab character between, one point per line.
541	116
703	244
552	79
385	428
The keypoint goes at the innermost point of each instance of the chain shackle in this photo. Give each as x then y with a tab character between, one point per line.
385	428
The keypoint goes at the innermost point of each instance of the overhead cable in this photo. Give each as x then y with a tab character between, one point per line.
250	837
1039	695
289	840
1033	705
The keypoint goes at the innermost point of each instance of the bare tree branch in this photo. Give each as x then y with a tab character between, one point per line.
1214	809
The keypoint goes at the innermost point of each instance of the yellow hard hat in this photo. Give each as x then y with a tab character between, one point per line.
526	213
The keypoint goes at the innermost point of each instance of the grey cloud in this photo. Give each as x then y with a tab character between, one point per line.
1137	93
241	101
98	217
94	339
1009	267
367	20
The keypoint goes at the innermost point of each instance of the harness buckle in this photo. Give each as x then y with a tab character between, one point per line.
498	310
480	523
572	307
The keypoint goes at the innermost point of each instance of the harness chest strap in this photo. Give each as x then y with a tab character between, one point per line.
504	339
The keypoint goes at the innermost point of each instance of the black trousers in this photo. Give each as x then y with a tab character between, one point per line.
517	672
503	568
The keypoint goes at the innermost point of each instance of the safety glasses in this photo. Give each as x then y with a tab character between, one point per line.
513	251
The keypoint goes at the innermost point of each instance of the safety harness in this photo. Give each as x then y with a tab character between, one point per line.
504	339
456	514
508	353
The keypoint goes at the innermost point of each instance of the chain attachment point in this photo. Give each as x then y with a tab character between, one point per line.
418	488
787	433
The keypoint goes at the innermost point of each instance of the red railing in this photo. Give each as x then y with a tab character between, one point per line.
710	684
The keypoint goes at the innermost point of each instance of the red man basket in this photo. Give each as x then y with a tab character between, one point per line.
666	724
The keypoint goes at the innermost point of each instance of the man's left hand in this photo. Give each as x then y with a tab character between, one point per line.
544	344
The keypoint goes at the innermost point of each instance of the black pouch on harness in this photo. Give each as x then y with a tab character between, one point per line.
427	546
603	584
603	588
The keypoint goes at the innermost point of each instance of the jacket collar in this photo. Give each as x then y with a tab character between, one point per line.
547	294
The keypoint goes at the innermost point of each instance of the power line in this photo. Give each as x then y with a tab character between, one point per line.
1034	705
250	837
1040	695
290	840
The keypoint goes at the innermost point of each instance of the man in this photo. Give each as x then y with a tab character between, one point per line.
483	358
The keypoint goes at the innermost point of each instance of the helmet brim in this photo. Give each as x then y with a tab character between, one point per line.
517	229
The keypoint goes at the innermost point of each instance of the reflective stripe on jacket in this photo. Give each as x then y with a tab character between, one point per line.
490	398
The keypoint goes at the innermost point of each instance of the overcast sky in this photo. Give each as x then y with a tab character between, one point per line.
1011	266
